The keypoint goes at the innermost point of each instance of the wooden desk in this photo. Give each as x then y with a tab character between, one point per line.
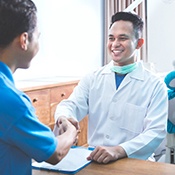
121	167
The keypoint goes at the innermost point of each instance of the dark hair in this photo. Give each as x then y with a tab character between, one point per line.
16	17
133	18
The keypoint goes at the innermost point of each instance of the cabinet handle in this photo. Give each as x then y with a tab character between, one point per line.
35	100
63	94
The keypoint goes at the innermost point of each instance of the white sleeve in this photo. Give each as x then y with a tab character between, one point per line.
76	105
155	127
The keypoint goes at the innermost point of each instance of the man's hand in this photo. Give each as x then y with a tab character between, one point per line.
68	137
104	154
61	124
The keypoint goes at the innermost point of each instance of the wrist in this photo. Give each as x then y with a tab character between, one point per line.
120	152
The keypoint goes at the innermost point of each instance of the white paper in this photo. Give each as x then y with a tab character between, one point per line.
73	161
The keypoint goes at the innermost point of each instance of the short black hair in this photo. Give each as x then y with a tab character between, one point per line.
133	18
16	17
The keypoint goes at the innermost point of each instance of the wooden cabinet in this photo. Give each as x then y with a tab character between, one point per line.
41	102
45	99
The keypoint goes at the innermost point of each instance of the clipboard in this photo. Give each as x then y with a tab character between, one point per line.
74	161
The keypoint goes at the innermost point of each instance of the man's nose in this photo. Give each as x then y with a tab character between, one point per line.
116	43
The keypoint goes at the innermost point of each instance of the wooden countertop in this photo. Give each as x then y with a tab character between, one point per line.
46	82
121	167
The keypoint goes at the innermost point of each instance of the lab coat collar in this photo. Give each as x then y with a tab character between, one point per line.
138	73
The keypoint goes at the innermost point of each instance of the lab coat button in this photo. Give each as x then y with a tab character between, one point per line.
107	136
112	118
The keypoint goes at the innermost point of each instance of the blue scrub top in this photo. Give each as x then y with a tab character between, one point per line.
22	136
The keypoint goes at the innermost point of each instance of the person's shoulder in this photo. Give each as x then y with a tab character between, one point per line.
12	96
93	75
149	71
105	69
151	76
97	71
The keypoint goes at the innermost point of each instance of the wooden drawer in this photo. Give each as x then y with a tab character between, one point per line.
59	93
41	101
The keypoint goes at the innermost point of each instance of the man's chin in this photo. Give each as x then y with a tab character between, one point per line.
24	66
116	60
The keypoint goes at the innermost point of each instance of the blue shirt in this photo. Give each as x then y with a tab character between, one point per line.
22	136
118	79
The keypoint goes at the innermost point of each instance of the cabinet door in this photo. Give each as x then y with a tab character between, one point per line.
41	101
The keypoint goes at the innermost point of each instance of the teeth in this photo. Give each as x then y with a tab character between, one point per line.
117	51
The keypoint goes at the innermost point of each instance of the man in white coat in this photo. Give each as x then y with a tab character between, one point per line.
126	104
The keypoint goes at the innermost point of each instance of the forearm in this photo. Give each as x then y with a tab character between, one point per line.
144	145
75	106
62	110
65	141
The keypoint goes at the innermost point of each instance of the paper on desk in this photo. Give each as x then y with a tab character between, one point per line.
75	160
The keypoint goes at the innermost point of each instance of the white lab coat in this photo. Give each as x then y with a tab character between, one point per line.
134	116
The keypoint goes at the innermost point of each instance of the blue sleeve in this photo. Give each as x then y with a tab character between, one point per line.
34	138
24	130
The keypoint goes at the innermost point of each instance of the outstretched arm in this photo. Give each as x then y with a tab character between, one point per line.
65	141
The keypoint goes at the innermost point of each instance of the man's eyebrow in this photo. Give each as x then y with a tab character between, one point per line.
121	35
124	35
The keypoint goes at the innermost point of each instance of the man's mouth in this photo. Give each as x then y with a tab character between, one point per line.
117	52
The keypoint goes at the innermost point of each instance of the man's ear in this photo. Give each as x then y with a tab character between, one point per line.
24	40
139	43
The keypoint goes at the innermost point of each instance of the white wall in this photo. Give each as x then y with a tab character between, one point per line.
71	39
161	34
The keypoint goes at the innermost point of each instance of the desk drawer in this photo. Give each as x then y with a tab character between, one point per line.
62	92
41	101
